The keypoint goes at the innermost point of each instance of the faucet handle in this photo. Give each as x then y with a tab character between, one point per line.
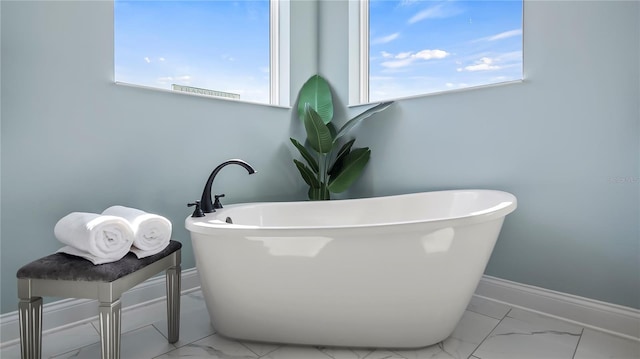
216	202
198	211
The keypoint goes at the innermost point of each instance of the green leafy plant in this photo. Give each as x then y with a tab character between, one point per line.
330	164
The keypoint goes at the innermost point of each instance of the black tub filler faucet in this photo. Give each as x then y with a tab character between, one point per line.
205	204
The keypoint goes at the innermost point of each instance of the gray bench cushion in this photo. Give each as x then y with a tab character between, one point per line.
62	266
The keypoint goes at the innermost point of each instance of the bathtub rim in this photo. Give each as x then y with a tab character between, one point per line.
210	223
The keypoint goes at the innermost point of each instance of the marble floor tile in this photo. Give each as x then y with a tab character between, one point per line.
297	352
261	348
488	307
346	353
141	343
598	345
544	321
215	347
195	295
143	315
139	316
472	329
384	354
487	330
195	322
362	352
525	335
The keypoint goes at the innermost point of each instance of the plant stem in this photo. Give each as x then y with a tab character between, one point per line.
325	185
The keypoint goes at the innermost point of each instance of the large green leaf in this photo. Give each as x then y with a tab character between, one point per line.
339	162
306	155
318	133
319	193
317	93
306	174
332	129
351	169
356	120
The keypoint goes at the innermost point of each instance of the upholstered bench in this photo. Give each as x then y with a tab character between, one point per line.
66	276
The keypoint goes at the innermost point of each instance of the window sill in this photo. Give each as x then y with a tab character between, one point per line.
180	93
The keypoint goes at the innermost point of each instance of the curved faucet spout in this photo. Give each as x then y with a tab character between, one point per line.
205	202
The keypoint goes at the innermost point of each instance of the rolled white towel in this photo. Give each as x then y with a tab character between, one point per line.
151	232
98	238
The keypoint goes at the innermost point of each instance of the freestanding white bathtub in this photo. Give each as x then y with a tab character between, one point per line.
395	272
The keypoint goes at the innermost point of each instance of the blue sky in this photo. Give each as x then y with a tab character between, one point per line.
432	46
217	45
416	46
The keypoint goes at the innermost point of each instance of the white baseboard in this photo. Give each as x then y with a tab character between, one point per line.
68	312
602	316
611	318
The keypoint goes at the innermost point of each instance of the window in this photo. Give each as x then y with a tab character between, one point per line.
214	48
416	47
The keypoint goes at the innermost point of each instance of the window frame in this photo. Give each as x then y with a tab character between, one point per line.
358	52
279	50
359	66
279	54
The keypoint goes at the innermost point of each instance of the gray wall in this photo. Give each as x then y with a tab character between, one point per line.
565	142
74	141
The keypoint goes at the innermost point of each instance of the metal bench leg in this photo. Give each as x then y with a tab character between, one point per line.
110	314
173	303
30	315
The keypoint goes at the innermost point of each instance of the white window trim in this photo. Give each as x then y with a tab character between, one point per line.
279	59
279	52
279	40
359	56
358	52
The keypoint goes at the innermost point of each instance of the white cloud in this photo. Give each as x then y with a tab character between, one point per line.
408	2
430	13
149	60
439	11
481	67
459	85
502	35
484	64
398	63
506	34
386	39
431	54
173	79
404	59
386	55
